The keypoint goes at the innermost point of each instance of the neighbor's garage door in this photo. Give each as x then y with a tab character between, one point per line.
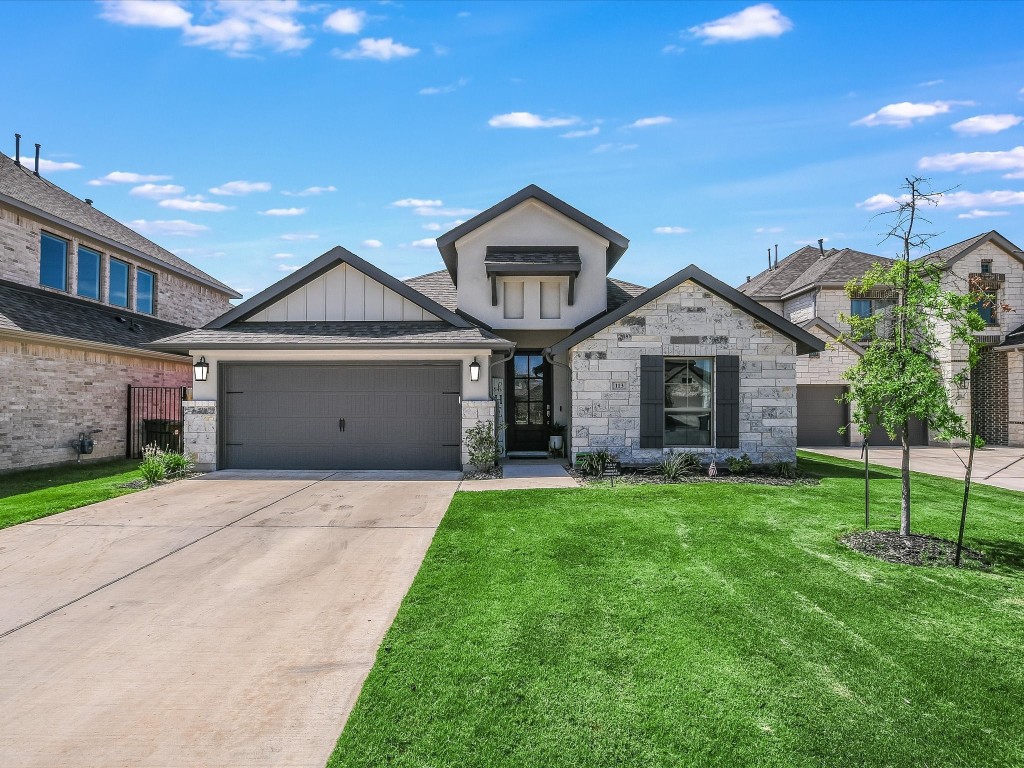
340	416
819	416
879	437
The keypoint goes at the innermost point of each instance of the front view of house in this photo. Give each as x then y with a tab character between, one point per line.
342	366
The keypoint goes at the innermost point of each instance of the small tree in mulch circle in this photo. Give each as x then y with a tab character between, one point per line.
899	378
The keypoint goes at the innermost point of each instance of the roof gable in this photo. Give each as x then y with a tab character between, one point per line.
805	342
617	243
953	253
334	270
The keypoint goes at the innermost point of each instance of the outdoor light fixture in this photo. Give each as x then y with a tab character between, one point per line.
202	369
474	370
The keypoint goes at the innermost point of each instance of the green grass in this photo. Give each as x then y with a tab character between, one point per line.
37	493
701	625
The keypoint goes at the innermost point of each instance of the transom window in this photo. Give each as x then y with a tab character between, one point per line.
88	273
53	262
689	401
118	283
144	282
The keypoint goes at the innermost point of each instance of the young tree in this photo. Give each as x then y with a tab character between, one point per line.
898	378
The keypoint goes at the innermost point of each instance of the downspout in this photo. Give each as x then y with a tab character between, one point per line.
566	441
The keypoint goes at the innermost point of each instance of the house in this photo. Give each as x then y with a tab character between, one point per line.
807	287
340	365
80	297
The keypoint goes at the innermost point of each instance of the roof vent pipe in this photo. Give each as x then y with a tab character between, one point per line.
776	255
769	259
36	171
821	246
17	149
88	201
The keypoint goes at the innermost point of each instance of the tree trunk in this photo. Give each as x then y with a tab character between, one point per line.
905	469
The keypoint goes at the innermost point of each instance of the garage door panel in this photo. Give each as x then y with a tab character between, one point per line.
819	415
396	416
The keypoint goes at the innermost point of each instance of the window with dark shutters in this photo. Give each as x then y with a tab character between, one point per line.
727	401
652	401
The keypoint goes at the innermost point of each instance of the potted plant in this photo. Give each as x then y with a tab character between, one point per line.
556	438
482	444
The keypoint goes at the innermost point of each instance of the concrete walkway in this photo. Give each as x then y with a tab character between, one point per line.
524	474
1001	467
228	620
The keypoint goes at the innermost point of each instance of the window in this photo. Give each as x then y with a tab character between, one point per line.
986	267
528	389
987	309
144	282
53	262
869	307
689	398
88	273
118	283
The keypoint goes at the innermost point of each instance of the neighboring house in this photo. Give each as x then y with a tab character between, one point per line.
807	287
80	296
341	365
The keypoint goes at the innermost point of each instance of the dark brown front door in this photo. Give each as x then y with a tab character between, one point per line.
529	402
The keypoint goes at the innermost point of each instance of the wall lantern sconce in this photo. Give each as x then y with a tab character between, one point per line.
474	370
202	369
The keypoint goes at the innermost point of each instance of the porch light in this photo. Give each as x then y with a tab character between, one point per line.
202	369
474	370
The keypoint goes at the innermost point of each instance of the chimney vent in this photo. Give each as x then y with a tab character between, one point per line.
17	149
821	246
769	259
776	255
36	171
88	201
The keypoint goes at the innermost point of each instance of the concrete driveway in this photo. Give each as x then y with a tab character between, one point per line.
228	620
998	466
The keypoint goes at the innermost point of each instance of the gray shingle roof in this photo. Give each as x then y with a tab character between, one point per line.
619	292
567	255
806	267
22	186
950	252
35	310
333	334
1014	337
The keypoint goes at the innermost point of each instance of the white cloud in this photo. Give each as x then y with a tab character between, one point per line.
762	20
432	226
439	89
193	203
372	243
283	256
985	124
582	133
173	228
235	188
671	230
530	120
146	13
975	200
673	49
602	148
310	191
382	49
977	213
287	267
283	212
156	191
346	21
930	83
299	236
768	230
49	166
434	211
426	242
880	202
903	114
646	122
126	177
415	202
1011	160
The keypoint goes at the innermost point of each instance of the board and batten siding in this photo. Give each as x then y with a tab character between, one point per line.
342	294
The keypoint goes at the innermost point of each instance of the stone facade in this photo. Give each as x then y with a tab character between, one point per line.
200	433
473	412
51	392
687	321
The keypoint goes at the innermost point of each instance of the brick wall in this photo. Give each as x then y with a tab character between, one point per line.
50	393
990	397
178	299
606	376
1015	388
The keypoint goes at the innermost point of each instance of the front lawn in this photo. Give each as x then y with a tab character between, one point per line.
701	625
37	493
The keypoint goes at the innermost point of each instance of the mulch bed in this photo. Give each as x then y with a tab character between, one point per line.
495	473
639	477
914	549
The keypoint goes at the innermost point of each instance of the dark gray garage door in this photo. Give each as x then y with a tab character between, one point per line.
819	416
340	416
918	434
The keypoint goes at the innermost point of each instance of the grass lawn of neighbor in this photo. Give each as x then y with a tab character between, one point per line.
37	493
702	625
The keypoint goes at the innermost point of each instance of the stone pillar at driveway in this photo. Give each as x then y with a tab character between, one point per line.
200	432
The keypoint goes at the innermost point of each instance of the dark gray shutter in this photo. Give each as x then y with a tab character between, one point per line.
652	401
727	401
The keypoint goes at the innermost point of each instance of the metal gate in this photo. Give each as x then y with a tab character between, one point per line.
155	417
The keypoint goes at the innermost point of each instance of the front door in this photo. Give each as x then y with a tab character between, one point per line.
529	402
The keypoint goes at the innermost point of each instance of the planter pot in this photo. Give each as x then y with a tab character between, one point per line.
555	443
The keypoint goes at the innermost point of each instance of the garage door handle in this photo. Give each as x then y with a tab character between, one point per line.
341	425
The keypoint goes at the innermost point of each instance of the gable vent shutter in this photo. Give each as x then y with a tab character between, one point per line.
727	401
652	401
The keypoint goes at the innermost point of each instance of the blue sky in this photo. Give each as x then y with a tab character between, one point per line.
704	132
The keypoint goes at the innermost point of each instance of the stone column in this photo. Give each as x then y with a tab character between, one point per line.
473	412
200	430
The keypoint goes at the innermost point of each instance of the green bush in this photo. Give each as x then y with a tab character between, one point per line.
593	463
177	464
739	466
152	466
483	446
677	465
784	470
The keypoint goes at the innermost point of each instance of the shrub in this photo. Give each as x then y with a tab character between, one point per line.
177	464
482	444
677	465
593	463
152	466
784	470
739	466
